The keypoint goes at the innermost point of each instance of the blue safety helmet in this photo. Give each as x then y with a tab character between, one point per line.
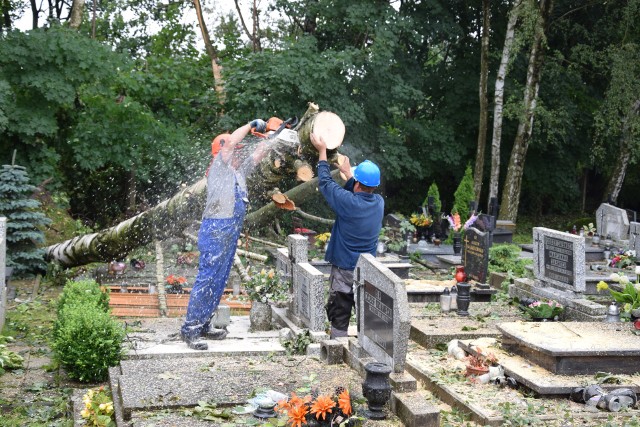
367	173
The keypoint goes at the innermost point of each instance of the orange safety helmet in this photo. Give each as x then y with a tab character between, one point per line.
218	143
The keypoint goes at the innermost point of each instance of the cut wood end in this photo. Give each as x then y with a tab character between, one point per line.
304	173
277	163
288	205
330	127
279	198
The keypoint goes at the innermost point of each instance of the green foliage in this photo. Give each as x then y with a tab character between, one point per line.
435	193
505	258
464	195
298	344
86	339
24	222
83	292
9	360
544	309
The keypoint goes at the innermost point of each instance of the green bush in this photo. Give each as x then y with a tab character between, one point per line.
433	191
87	342
83	292
463	195
505	258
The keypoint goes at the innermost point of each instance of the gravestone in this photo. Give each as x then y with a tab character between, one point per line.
634	237
298	246
392	220
296	252
383	313
308	291
3	284
485	222
284	267
475	254
559	270
612	221
559	258
632	215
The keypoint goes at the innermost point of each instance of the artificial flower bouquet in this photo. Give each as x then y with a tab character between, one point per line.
544	309
175	284
623	259
421	220
266	286
323	410
455	222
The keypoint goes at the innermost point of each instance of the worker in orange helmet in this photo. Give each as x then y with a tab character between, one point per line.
220	229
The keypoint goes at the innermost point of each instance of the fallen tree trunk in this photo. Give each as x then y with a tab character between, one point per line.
172	216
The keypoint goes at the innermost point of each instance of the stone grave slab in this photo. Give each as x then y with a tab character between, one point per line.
154	384
612	221
482	402
559	259
3	284
475	254
634	237
574	348
577	308
308	291
383	312
543	381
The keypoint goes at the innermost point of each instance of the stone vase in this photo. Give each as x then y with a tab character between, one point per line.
260	316
464	298
376	388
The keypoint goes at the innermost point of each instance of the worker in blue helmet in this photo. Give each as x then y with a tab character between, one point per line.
359	213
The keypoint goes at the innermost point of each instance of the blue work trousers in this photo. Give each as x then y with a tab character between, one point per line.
217	242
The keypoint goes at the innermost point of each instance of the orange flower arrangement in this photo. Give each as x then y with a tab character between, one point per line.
324	408
173	280
344	403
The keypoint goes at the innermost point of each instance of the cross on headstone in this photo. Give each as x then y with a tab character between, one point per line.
493	206
540	243
466	242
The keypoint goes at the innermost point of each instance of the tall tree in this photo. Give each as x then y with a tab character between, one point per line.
513	180
619	118
482	94
498	100
211	51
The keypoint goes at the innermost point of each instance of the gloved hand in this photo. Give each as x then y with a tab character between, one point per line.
259	125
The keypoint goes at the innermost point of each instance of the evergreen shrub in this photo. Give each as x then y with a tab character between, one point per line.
463	195
433	191
86	339
24	222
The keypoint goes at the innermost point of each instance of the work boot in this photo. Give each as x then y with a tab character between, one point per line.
195	343
214	334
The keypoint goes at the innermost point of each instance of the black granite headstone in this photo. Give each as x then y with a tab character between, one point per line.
392	220
378	317
475	254
558	260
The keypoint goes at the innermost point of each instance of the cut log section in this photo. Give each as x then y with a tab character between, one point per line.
325	124
283	202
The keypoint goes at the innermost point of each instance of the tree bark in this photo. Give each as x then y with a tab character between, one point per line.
482	125
172	216
624	155
5	23
77	10
496	138
513	181
211	51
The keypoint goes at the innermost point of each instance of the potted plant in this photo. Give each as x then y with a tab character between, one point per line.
544	310
421	222
479	364
628	297
175	284
264	288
